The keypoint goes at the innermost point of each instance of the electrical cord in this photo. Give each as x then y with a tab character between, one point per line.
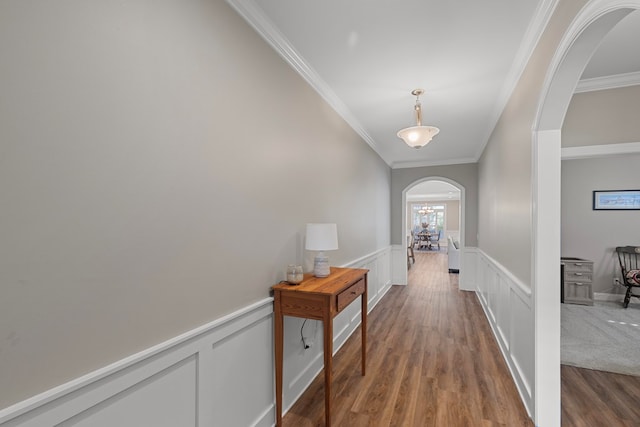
304	343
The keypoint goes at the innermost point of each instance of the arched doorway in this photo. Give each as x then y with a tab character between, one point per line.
461	213
587	30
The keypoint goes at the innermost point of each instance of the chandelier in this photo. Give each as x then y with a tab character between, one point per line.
418	136
425	210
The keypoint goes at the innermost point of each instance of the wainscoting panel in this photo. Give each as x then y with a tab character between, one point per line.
170	384
165	399
247	354
220	374
399	264
507	303
468	269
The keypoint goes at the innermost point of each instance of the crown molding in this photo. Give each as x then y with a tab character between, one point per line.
529	42
604	150
608	82
255	16
426	163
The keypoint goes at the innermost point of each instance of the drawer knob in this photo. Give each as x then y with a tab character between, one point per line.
353	292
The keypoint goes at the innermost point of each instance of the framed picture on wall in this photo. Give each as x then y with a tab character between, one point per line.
611	200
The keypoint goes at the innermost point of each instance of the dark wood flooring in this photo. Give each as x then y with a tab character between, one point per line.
433	361
595	398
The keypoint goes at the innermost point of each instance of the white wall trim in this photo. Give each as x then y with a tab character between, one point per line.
366	258
270	33
95	376
95	391
399	264
603	296
545	275
527	46
608	82
468	269
574	50
220	373
603	150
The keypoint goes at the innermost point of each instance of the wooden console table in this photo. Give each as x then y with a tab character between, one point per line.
320	298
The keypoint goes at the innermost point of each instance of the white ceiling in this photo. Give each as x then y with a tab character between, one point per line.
365	57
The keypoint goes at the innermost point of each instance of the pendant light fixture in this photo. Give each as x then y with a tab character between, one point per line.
418	136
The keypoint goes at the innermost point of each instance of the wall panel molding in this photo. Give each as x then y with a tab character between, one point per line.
218	374
508	306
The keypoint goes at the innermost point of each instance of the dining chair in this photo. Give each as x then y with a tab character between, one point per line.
410	254
434	239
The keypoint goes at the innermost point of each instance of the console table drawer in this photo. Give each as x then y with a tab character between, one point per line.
348	295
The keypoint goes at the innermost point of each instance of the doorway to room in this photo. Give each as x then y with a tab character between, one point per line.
433	212
586	32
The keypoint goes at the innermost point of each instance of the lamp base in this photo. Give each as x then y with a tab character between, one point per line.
321	265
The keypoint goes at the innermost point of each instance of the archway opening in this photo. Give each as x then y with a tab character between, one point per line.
589	28
429	192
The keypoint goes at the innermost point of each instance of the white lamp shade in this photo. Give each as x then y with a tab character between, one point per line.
322	237
418	136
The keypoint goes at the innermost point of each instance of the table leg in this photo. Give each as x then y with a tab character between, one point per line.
278	326
363	327
328	368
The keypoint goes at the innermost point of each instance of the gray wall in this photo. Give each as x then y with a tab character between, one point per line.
504	170
595	234
158	163
464	174
602	117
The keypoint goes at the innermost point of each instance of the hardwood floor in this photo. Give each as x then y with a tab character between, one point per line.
596	398
432	361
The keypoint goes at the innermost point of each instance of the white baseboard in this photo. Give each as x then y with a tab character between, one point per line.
602	296
221	373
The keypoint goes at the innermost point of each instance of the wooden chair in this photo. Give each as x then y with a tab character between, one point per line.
629	259
410	254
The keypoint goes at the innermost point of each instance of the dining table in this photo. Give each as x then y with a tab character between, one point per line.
422	239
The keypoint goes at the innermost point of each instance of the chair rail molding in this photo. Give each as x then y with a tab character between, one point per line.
221	373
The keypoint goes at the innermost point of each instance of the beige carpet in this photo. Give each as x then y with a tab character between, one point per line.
605	337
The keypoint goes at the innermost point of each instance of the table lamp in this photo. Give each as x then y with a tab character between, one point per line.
321	237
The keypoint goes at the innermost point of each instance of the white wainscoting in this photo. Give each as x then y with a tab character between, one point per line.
399	264
220	374
508	305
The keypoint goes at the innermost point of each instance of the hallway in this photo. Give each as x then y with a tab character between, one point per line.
432	361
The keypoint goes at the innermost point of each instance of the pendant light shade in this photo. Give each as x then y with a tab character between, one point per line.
418	136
